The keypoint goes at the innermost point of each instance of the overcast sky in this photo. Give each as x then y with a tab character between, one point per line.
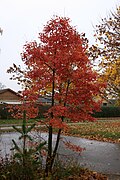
22	20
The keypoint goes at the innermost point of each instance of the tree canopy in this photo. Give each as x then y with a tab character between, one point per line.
58	64
107	50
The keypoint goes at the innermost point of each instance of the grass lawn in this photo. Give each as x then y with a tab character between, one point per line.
105	130
9	122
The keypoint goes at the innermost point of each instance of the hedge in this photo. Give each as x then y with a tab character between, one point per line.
42	110
108	112
4	114
105	112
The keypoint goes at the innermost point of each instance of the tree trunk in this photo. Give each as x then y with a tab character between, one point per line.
49	156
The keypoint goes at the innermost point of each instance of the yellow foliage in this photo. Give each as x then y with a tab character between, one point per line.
111	75
112	72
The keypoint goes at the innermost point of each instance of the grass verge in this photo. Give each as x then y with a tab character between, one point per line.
8	122
101	130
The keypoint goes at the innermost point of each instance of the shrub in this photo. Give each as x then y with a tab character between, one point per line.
108	112
4	114
12	169
42	110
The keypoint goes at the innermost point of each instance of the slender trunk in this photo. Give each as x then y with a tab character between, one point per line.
24	137
56	147
59	131
49	156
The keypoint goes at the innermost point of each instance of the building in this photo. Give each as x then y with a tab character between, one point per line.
8	96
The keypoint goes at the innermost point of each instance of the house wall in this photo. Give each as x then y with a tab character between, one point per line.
8	96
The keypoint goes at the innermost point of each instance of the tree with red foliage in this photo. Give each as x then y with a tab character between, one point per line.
59	64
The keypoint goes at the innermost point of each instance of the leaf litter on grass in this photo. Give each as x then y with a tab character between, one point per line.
107	131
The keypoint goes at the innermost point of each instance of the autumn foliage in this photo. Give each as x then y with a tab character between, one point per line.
107	52
58	65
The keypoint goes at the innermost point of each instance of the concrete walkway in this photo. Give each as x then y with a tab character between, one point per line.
99	156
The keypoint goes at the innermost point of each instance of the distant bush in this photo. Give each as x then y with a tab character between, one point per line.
108	112
42	110
4	114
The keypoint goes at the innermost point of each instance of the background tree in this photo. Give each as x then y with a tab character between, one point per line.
1	31
2	86
108	51
59	64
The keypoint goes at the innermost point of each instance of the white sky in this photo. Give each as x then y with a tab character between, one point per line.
22	20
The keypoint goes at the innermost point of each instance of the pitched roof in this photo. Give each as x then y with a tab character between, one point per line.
8	89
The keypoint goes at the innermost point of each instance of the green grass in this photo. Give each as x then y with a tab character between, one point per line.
104	130
14	121
100	130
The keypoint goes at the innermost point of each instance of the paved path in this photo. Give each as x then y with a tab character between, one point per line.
99	156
